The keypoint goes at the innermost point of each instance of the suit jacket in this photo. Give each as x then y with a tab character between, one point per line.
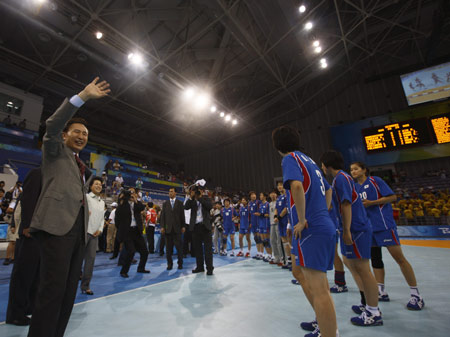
30	196
123	219
62	192
172	219
206	207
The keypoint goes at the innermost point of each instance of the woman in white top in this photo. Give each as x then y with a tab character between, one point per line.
95	227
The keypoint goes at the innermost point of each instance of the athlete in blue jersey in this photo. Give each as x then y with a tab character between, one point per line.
377	197
314	232
356	237
244	230
281	217
264	226
253	207
228	213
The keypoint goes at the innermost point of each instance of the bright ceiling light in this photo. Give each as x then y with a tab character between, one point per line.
323	60
317	50
222	114
227	118
213	109
40	1
316	43
308	25
189	93
302	9
323	65
99	35
202	101
235	121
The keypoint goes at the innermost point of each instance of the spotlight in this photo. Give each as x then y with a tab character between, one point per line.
316	43
189	93
302	9
202	100
323	65
40	1
222	114
317	50
323	60
136	59
99	35
308	25
227	118
213	108
235	121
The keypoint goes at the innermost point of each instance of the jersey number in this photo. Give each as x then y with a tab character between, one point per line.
363	195
322	187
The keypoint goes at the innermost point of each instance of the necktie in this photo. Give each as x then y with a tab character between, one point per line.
81	167
171	202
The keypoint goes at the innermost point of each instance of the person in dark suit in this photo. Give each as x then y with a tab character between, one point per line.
25	274
200	226
129	231
60	219
172	226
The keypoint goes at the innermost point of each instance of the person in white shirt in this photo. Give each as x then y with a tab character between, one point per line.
119	180
111	234
96	208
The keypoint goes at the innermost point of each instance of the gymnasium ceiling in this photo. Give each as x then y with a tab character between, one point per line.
254	56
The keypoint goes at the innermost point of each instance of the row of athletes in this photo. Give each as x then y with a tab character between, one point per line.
356	214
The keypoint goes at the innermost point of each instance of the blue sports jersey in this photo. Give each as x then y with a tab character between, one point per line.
298	166
344	189
227	215
334	213
244	216
280	206
253	207
381	216
263	210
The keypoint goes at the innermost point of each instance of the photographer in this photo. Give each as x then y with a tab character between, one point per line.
128	220
200	226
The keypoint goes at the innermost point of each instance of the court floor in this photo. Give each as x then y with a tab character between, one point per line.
247	298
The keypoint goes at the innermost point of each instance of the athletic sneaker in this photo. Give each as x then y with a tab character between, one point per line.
222	253
232	254
367	319
240	254
309	326
285	266
336	289
358	309
215	252
294	281
315	333
266	259
247	254
255	257
415	303
383	297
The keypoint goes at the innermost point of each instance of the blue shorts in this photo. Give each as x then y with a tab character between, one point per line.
243	230
283	229
228	230
360	249
264	229
254	229
385	238
314	251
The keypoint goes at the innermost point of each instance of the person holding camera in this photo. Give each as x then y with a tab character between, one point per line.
200	226
128	220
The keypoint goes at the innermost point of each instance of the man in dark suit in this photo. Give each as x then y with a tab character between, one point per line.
172	226
60	218
200	226
129	231
25	274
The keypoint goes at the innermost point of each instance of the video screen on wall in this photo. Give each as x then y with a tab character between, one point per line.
428	84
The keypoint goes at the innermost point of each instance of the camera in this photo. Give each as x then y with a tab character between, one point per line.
126	195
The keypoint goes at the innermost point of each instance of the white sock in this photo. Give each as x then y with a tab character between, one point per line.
414	291
373	310
381	289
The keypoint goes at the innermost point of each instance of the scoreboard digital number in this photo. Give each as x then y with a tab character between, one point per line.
396	136
441	128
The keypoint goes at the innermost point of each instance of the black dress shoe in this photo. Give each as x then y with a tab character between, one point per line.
20	322
124	275
196	270
180	267
209	272
169	267
87	292
143	271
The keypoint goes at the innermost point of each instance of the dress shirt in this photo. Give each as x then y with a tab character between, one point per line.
199	213
187	212
96	213
112	217
133	219
172	202
76	101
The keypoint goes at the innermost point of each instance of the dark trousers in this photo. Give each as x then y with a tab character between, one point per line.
202	240
116	247
150	232
162	243
171	240
102	240
60	268
134	243
24	279
188	246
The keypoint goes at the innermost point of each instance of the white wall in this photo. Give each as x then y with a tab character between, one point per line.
31	110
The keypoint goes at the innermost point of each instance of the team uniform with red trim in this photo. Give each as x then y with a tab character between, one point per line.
282	221
253	207
228	224
381	216
244	216
361	228
264	222
315	248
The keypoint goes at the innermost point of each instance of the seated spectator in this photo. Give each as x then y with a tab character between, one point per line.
139	183
119	180
146	198
116	165
23	124
7	121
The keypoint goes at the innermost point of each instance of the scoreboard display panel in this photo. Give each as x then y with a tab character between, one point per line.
441	128
399	135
